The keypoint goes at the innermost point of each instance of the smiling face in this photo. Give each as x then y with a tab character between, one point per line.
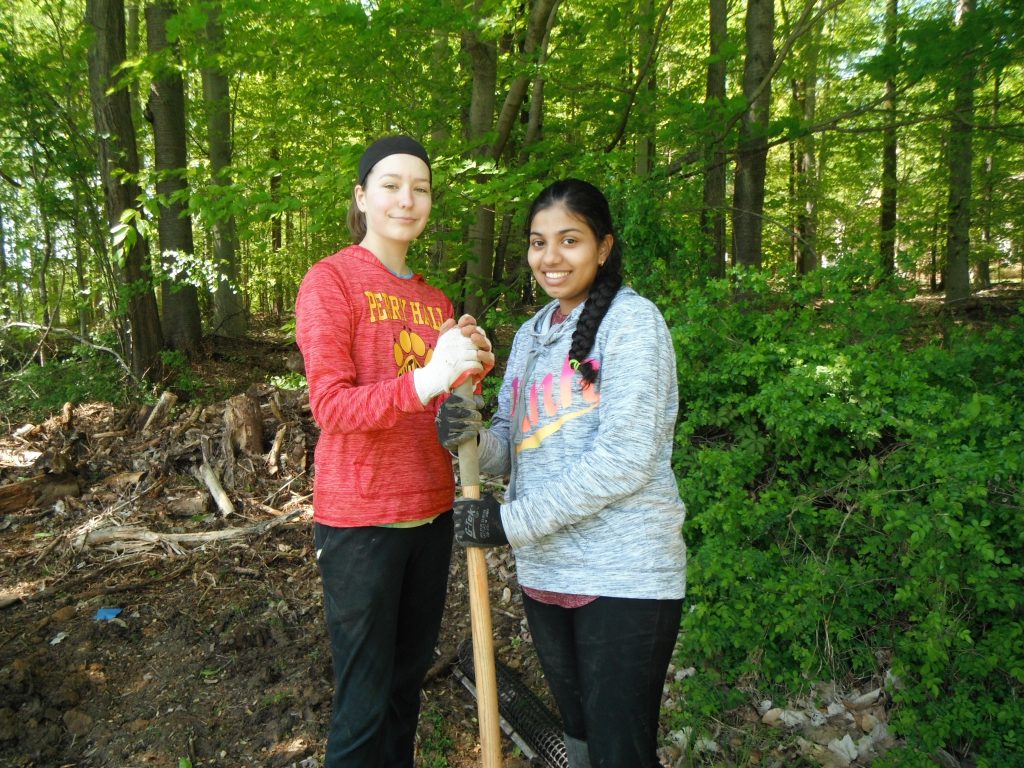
396	201
565	254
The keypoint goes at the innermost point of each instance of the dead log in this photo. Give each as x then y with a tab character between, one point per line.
208	476
18	496
38	491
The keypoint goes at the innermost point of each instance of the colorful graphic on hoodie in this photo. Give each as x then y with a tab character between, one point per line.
544	397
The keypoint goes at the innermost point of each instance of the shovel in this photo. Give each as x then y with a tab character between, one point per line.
480	612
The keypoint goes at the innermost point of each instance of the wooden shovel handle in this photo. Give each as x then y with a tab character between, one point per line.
480	613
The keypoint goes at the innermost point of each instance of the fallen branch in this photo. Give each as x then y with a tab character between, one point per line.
208	476
132	585
114	433
134	536
160	410
275	450
80	339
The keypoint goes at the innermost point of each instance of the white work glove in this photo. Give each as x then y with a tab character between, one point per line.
454	356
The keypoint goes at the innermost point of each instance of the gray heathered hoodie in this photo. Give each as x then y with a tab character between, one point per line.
592	505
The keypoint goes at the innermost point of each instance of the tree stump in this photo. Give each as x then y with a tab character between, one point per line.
243	426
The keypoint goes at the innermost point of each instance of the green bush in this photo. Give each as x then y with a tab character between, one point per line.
82	374
853	478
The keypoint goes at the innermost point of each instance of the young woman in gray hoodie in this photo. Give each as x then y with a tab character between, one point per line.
584	429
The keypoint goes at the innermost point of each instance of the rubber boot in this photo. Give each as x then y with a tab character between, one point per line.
577	752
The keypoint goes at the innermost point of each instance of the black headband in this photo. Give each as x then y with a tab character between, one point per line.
390	145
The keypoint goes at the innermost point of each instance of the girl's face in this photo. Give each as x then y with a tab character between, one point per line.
396	198
565	254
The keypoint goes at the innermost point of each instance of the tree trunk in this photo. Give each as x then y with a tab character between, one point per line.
887	218
751	159
806	187
5	309
229	312
134	50
536	30
712	214
535	120
958	222
182	326
519	272
988	192
3	256
484	56
647	95
44	265
276	235
118	166
82	301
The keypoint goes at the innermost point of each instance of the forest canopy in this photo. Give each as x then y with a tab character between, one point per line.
793	184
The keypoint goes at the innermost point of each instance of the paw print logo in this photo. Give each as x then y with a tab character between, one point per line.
411	351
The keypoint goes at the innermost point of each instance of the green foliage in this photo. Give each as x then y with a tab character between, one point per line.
435	743
291	380
853	479
651	248
179	373
81	375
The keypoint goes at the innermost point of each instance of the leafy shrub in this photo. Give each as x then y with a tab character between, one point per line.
179	374
291	380
83	375
853	480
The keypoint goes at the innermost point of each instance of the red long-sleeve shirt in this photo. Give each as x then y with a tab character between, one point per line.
362	332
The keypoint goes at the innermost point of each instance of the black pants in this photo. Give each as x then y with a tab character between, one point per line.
605	664
384	594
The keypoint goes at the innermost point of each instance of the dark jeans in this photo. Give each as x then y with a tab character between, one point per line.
605	664
384	594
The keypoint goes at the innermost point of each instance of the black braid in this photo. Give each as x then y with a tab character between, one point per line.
587	201
606	285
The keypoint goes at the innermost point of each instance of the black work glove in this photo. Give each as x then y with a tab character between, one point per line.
457	421
478	522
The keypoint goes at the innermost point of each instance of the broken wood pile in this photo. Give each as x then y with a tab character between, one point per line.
165	479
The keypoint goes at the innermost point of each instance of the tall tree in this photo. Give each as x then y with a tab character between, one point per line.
535	118
166	108
805	167
4	309
484	57
960	157
526	69
276	231
988	183
643	92
712	213
229	309
752	155
119	167
646	97
887	217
